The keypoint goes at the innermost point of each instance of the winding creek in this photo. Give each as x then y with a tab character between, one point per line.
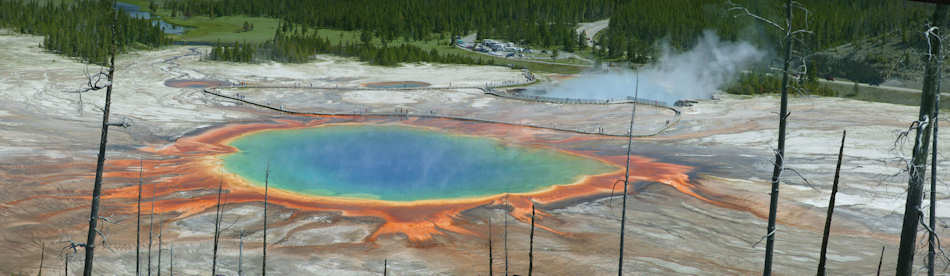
137	12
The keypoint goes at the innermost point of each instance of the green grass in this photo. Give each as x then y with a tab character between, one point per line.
880	95
598	35
225	28
338	36
587	52
571	60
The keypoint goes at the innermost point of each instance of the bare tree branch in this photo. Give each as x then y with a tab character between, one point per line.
94	82
930	230
931	32
763	238
736	7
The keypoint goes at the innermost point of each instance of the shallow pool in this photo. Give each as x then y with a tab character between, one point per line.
397	163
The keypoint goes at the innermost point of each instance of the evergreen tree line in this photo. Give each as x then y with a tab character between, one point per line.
301	46
759	83
235	52
864	71
80	29
536	22
637	27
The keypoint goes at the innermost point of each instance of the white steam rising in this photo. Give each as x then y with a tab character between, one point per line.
694	74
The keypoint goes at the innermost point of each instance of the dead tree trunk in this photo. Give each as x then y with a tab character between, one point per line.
90	245
151	217
912	211
780	152
933	174
880	261
779	164
831	209
385	267
531	243
931	237
159	272
171	260
506	233
264	247
42	257
217	229
241	255
138	225
491	260
626	178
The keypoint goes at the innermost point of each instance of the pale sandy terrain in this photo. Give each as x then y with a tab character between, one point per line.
45	141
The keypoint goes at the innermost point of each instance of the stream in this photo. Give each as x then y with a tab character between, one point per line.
136	12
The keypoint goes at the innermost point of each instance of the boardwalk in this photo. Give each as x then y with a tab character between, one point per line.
408	114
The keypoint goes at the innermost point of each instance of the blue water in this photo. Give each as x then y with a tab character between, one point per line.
400	163
136	12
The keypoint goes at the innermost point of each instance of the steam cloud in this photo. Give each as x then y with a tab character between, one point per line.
694	74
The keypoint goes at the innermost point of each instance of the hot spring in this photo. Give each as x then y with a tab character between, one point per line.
398	163
694	74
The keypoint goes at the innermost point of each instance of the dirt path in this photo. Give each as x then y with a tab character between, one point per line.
592	28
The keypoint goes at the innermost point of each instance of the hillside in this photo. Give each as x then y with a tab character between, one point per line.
892	60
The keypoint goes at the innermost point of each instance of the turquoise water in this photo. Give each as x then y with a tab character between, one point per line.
400	163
